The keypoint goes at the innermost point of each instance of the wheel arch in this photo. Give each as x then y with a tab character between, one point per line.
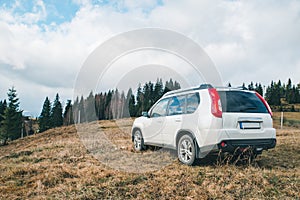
135	129
181	133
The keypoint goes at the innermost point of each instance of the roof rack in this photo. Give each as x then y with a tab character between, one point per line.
233	88
201	87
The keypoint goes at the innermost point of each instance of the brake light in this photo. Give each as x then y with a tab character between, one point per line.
265	103
223	144
216	107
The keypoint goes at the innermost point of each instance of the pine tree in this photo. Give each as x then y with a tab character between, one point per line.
140	101
176	86
114	104
68	114
12	119
170	85
81	111
90	108
75	110
147	90
244	87
298	93
131	104
108	110
3	106
251	86
289	92
259	89
45	119
126	110
100	99
122	105
56	113
97	105
158	89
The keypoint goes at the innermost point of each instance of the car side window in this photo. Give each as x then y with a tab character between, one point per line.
177	105
193	101
160	108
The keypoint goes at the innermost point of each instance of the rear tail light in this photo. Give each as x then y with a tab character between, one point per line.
216	107
265	103
223	144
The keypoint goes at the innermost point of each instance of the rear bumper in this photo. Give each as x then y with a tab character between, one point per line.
258	145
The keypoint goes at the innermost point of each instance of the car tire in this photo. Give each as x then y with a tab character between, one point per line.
138	141
186	150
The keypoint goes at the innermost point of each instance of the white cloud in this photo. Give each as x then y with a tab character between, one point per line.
248	40
38	13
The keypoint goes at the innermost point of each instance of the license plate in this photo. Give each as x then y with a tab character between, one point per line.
249	125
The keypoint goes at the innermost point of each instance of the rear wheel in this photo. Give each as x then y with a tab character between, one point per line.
186	150
138	141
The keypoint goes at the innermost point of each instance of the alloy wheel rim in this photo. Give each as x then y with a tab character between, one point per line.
185	150
137	141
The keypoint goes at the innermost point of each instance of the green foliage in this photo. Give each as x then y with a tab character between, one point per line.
170	85
150	93
257	87
11	123
108	112
45	119
90	108
273	94
51	116
277	91
130	105
56	113
100	105
68	114
3	106
81	110
116	105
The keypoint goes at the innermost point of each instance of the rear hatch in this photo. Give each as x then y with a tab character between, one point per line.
245	112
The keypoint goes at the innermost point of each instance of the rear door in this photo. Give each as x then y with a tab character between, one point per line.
179	112
176	110
245	115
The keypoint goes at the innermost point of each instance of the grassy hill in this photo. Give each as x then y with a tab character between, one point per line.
291	119
56	165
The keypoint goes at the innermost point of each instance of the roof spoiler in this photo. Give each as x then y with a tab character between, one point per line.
205	86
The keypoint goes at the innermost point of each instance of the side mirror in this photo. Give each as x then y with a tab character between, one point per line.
145	114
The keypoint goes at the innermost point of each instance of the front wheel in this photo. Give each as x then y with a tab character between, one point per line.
138	141
186	150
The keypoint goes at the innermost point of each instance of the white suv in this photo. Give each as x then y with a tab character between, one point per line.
196	121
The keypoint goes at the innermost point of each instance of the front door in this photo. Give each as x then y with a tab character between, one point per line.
153	130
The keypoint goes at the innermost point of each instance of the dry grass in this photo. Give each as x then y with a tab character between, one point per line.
288	115
291	119
56	165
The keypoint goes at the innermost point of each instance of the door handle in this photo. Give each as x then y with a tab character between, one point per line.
177	120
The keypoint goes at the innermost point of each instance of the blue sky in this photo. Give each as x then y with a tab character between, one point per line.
44	43
57	11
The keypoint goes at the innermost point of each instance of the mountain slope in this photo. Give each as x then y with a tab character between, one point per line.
55	164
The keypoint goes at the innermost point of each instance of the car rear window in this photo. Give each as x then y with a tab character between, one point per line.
242	102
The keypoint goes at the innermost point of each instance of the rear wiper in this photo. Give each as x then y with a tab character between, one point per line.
248	108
